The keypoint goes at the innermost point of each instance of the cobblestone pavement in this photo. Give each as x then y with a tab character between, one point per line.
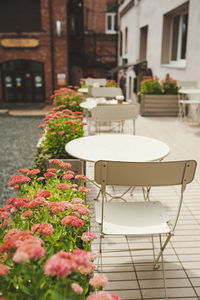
18	139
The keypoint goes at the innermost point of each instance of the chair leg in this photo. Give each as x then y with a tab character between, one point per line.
163	267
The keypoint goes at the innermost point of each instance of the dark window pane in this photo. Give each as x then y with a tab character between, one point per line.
115	20
20	15
109	23
175	33
184	36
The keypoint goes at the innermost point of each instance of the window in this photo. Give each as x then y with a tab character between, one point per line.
120	43
174	39
179	37
20	16
143	43
111	18
126	40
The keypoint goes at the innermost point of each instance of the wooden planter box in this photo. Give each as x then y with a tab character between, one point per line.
76	165
159	105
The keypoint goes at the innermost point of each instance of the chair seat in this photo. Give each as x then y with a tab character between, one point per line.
136	218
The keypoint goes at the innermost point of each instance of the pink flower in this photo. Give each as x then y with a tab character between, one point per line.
77	200
74	129
55	161
40	178
33	172
65	165
68	176
87	270
115	297
81	209
58	125
53	133
24	170
56	207
88	236
27	214
44	228
83	123
49	174
83	189
73	221
52	170
81	176
77	288
21	257
43	193
42	125
92	256
4	214
4	270
63	186
18	179
98	281
61	132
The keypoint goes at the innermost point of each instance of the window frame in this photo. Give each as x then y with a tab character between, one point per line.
179	60
113	22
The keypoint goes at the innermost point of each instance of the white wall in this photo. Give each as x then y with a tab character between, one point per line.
150	12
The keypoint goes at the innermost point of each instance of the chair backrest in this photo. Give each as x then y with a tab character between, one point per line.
115	112
145	173
91	81
106	92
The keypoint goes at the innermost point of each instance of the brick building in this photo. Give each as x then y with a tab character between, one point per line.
92	38
46	44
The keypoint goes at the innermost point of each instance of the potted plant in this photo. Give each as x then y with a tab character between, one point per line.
159	98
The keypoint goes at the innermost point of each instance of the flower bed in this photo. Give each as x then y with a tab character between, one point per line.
61	126
44	239
68	98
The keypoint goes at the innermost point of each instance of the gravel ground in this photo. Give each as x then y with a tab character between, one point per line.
18	139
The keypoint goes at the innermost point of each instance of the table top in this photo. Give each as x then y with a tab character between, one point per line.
117	147
83	90
189	91
90	103
189	101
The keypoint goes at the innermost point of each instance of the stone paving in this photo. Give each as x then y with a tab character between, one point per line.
18	139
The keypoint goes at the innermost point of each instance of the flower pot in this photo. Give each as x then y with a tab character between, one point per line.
159	105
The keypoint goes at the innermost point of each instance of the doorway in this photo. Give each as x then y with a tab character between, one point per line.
23	81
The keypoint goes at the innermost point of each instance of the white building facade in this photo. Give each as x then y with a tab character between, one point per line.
165	34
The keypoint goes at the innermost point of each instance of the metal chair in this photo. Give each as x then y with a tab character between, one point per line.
106	92
115	113
143	218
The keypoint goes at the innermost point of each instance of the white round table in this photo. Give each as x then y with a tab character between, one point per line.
90	103
117	147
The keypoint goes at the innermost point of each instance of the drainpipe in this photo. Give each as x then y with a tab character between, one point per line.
51	45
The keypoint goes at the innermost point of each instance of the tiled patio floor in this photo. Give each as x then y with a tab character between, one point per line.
128	277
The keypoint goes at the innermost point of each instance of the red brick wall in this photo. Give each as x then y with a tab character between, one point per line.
43	52
100	47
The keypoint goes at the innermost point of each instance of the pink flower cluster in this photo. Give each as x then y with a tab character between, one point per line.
44	193
63	263
4	270
98	281
63	186
73	221
88	236
44	228
18	179
56	207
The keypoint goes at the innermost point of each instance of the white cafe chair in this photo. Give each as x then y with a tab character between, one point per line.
141	218
114	113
